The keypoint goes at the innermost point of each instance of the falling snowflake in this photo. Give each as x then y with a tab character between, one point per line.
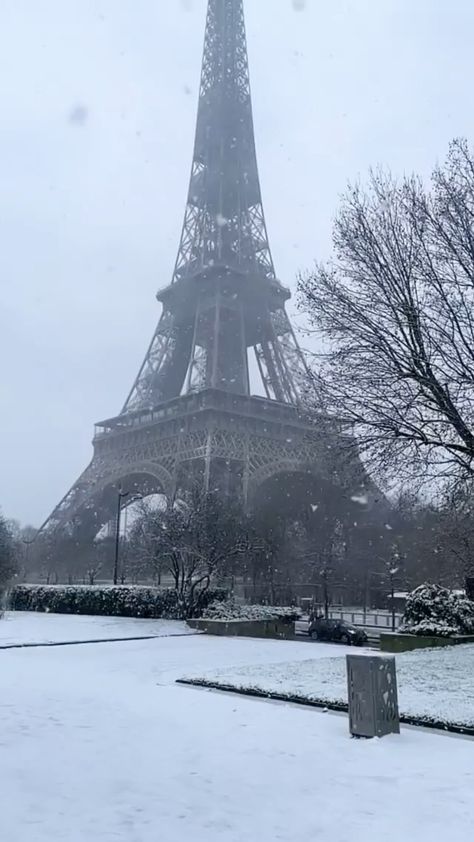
361	499
78	115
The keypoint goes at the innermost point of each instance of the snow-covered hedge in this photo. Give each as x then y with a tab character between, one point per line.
232	611
120	601
434	610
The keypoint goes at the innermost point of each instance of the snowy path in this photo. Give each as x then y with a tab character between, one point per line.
25	628
98	744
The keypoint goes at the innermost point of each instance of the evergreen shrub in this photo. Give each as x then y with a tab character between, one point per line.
434	610
99	600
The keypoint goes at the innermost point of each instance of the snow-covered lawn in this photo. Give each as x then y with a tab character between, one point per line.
23	627
434	683
99	743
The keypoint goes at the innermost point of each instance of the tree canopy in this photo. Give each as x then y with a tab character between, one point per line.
7	554
393	311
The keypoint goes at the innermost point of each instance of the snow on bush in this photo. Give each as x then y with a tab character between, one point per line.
120	601
434	610
232	611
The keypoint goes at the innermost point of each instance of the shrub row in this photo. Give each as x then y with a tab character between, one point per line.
232	611
120	601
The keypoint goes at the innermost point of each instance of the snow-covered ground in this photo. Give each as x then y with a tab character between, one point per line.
433	683
23	627
98	743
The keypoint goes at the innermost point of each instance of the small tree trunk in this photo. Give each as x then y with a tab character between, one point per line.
326	595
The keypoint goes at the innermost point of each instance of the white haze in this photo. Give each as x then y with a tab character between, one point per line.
98	102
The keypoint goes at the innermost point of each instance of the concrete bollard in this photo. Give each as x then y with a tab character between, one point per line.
372	696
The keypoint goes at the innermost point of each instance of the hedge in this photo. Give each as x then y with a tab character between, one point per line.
231	611
120	601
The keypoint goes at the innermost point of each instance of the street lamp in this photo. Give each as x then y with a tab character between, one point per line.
121	496
393	572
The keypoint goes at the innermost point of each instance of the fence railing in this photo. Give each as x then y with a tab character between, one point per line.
376	619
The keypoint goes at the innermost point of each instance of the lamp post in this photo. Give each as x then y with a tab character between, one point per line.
121	496
27	542
393	573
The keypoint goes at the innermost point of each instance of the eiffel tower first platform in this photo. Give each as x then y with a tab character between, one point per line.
190	412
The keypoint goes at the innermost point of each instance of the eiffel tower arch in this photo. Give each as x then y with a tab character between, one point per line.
190	412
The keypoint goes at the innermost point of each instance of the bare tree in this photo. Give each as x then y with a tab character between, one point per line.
456	534
195	541
326	562
145	544
93	564
63	556
7	557
394	311
268	560
434	539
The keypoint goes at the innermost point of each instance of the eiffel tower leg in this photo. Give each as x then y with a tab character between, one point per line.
291	354
164	368
196	378
265	354
91	502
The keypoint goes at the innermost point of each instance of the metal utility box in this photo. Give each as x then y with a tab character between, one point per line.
372	695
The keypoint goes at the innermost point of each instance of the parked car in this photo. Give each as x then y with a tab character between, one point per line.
337	631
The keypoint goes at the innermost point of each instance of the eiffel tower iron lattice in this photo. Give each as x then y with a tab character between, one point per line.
190	409
224	298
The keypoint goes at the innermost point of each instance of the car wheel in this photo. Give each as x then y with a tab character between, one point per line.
314	635
345	639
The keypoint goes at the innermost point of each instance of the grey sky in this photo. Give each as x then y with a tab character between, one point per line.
97	108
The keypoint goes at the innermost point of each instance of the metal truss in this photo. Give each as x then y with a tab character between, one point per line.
163	454
146	389
224	298
294	361
224	222
224	219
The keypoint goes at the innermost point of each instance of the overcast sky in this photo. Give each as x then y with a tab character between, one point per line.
97	108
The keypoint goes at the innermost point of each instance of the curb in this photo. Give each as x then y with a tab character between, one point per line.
340	707
94	640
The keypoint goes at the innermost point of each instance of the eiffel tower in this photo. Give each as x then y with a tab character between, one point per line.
190	413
